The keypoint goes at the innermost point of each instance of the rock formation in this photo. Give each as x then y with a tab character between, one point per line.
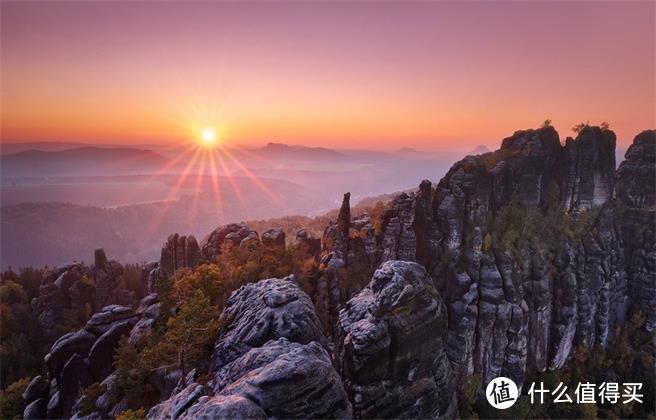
517	300
268	361
177	252
306	244
273	237
506	266
633	187
392	346
77	360
229	235
62	288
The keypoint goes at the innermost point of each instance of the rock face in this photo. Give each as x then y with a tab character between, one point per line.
523	302
591	168
633	186
306	244
274	237
57	292
268	361
263	311
80	289
177	252
514	259
229	235
81	358
392	346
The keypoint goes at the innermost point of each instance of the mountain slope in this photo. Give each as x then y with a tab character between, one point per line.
80	161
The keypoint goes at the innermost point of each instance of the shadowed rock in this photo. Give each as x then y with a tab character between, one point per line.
228	236
268	361
391	346
177	252
274	238
633	186
263	311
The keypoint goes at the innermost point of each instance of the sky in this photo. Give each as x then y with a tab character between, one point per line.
382	75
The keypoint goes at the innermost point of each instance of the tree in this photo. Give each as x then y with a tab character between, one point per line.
579	127
604	126
11	400
190	334
546	123
131	378
205	277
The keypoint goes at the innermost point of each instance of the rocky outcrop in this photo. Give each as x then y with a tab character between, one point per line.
590	168
177	252
74	378
634	180
306	244
59	291
103	321
101	354
392	346
268	361
519	297
83	357
110	282
227	236
67	346
36	410
274	238
263	311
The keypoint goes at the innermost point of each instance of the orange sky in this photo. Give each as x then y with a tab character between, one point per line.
351	75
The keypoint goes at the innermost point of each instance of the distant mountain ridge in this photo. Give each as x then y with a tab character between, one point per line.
88	160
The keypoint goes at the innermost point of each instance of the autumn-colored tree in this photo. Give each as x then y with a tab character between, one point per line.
189	335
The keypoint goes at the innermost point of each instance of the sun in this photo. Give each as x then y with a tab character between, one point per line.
207	136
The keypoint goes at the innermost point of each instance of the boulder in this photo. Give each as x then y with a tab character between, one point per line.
227	235
103	321
101	355
74	378
391	350
262	311
273	238
282	379
78	342
36	410
39	387
54	408
268	361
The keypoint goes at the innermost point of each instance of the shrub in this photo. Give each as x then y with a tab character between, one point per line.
11	400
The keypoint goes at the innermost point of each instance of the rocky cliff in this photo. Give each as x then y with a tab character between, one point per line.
514	260
526	246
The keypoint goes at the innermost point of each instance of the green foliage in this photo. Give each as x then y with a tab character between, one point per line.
11	400
468	396
12	293
19	331
190	334
131	377
89	397
184	342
